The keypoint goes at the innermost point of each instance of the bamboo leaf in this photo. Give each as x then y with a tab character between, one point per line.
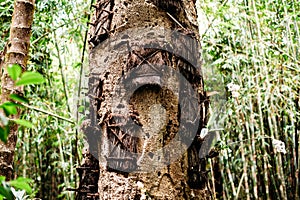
18	98
9	108
14	71
6	192
28	78
22	122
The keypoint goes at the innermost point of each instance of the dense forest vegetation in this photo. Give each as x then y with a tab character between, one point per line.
250	55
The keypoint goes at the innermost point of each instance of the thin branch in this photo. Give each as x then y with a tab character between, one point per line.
48	113
47	33
173	18
244	140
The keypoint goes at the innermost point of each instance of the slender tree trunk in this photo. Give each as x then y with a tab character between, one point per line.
148	105
16	52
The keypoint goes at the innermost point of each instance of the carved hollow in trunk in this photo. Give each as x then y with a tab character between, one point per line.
147	104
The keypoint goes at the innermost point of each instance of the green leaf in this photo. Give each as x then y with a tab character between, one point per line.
23	122
18	98
9	108
3	119
28	78
21	183
6	191
81	109
14	71
3	134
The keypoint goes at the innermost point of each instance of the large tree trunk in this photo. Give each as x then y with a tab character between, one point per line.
16	52
148	106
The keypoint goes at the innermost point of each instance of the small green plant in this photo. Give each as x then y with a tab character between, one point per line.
8	190
11	107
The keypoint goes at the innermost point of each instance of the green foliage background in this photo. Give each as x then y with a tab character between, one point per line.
50	151
254	44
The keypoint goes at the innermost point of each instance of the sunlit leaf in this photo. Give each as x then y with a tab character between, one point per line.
14	71
9	108
18	98
22	183
23	122
81	109
28	78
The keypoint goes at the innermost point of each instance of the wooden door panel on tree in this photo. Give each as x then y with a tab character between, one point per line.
147	100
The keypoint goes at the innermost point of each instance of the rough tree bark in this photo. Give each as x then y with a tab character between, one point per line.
16	52
140	105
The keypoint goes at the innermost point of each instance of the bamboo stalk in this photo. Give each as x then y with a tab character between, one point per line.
213	179
225	186
60	65
230	179
62	160
260	51
253	149
239	187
